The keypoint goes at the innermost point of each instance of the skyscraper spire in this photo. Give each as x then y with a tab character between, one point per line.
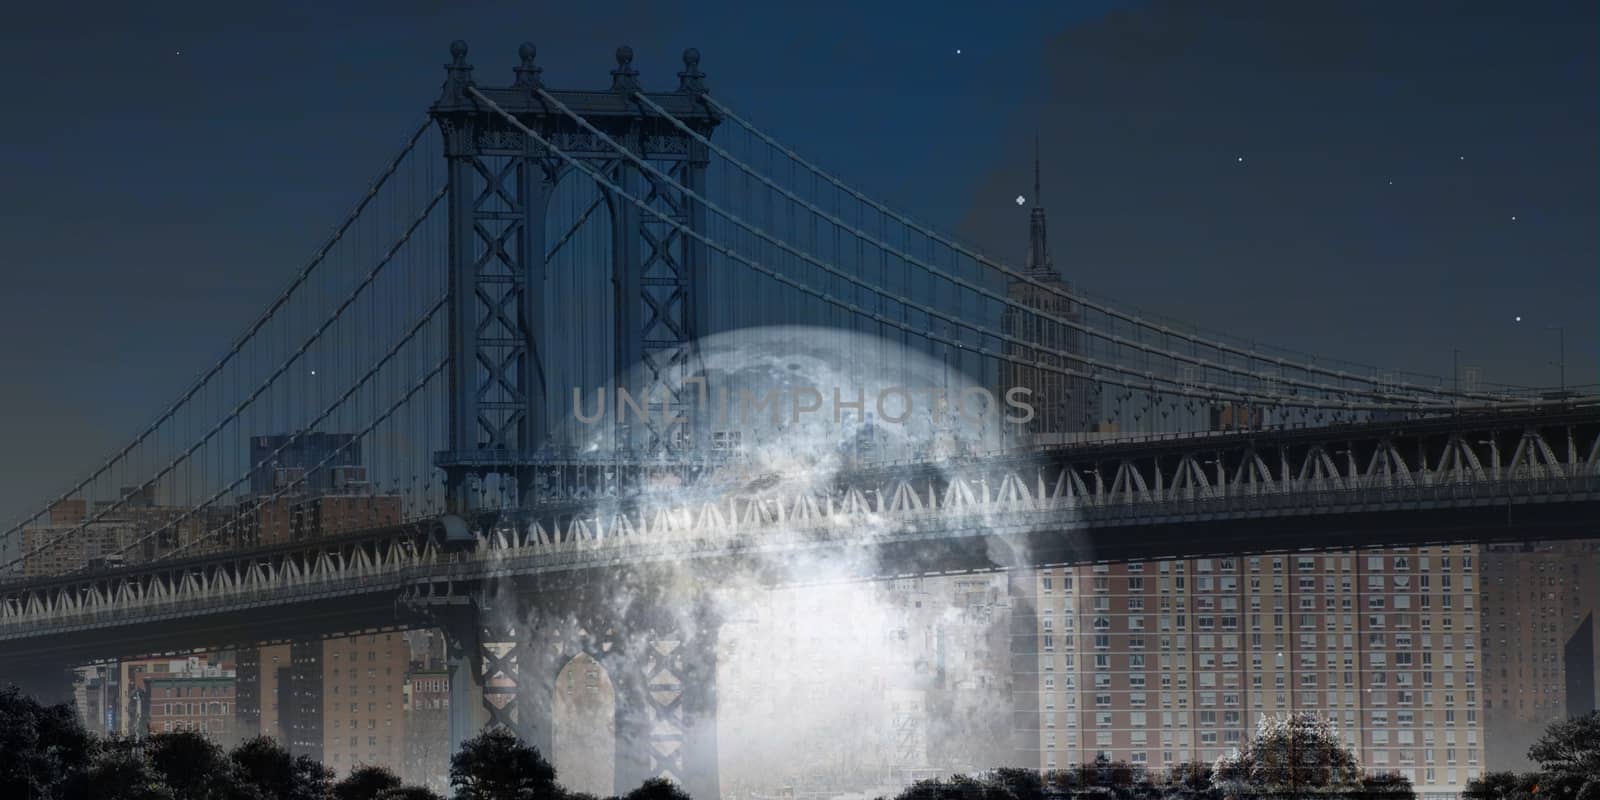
1036	195
1038	245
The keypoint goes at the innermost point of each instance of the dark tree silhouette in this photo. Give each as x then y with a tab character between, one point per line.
495	765
266	766
43	749
367	782
410	793
1386	786
1502	786
1569	753
1019	783
188	762
657	789
1191	780
119	772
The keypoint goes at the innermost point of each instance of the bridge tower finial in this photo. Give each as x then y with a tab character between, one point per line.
458	75
691	80
527	71
625	78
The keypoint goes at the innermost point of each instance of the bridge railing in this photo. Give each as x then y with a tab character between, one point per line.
771	526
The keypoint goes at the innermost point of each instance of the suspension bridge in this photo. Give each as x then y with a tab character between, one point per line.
388	443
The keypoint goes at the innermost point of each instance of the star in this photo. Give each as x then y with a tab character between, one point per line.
1021	199
313	372
1513	217
1241	159
958	51
1519	318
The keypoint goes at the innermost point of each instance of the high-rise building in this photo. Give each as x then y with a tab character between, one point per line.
1163	662
301	717
363	700
263	680
1539	603
1065	406
309	462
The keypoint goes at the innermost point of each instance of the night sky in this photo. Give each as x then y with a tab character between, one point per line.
1374	181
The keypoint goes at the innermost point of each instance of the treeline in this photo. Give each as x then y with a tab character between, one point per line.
1115	780
45	754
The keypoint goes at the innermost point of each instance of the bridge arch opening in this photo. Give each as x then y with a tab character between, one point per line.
584	734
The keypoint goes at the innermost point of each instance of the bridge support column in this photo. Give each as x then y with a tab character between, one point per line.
464	659
658	650
668	726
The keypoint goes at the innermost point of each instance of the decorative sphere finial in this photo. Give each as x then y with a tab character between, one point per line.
625	78
458	51
528	72
691	80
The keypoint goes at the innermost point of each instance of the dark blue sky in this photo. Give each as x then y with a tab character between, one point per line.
168	166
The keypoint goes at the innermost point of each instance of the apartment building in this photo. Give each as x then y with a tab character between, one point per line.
1162	662
363	700
1540	602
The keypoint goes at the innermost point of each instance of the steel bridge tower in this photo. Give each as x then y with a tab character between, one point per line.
511	637
500	185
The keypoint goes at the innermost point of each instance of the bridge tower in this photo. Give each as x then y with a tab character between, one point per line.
500	186
509	637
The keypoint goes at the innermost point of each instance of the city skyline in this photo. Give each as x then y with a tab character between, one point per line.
1298	299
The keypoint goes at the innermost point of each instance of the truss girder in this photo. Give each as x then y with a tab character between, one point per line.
1301	473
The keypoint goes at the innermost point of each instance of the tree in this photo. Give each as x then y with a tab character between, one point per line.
1289	755
266	766
1019	783
188	762
657	789
43	749
410	793
958	787
1505	786
119	772
1387	786
368	782
1191	780
494	765
1569	754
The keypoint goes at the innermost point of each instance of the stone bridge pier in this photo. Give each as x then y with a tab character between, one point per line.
541	657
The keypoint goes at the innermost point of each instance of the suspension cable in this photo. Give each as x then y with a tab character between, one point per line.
326	460
376	367
924	230
238	345
949	318
1156	381
1007	301
315	335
